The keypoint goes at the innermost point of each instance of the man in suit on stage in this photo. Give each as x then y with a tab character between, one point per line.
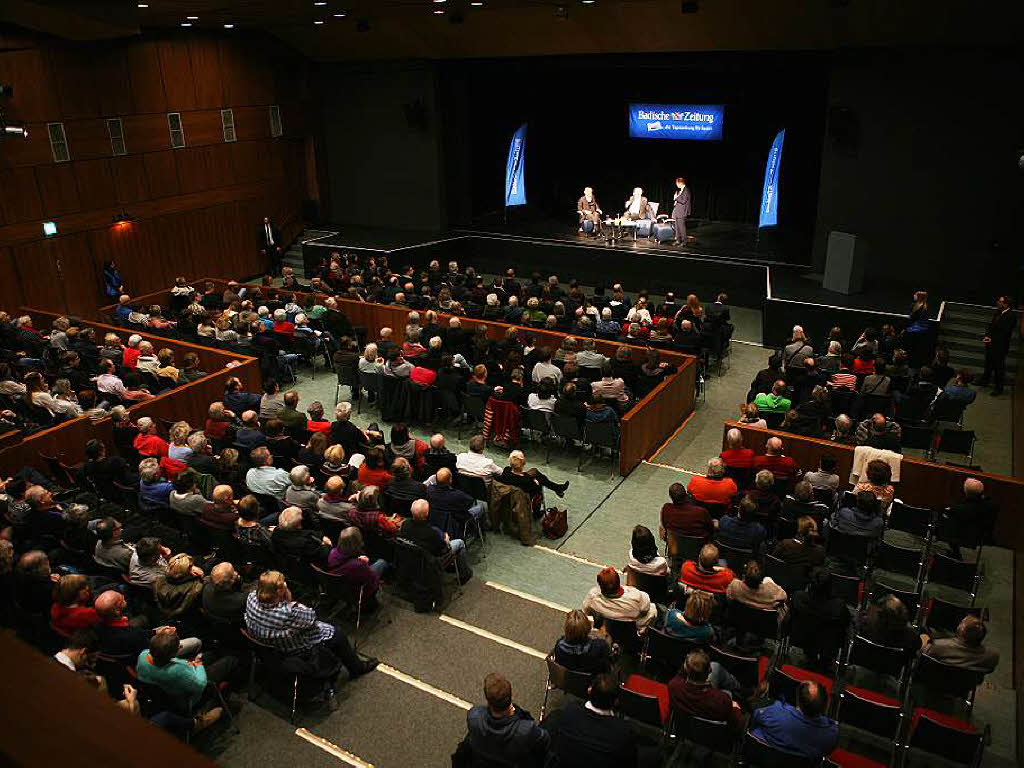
270	245
681	209
997	344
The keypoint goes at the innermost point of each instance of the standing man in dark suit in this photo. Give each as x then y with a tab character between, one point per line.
681	209
997	344
270	245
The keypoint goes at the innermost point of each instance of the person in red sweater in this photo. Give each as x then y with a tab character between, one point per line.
148	443
735	455
130	354
716	488
372	471
221	513
72	605
705	574
700	690
283	325
784	468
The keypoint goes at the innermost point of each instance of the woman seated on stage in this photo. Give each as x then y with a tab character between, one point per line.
589	209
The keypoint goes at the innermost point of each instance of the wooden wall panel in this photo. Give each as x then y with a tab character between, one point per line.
87	139
58	189
176	69
37	268
205	63
35	150
162	174
147	133
203	127
252	122
110	64
11	295
130	181
20	199
77	84
96	185
35	98
145	79
78	274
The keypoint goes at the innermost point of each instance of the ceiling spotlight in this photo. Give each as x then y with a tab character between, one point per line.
319	21
186	23
320	2
588	2
229	26
476	3
438	12
143	5
340	15
192	18
439	1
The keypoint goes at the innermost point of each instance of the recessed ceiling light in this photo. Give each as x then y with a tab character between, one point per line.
438	12
440	1
192	18
318	21
320	2
341	15
229	26
143	5
186	23
589	2
476	3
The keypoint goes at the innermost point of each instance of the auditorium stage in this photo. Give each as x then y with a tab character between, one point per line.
785	294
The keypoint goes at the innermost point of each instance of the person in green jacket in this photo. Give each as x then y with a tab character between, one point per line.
775	401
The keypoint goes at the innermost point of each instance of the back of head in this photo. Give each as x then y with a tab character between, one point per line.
747	508
677	492
708	557
753	576
809	699
697	667
802	491
867	503
972	630
498	692
148	550
764	480
577	627
604	691
608	581
163	647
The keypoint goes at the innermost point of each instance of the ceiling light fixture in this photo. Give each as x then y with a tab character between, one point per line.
340	15
440	1
318	21
229	26
588	2
192	18
319	3
186	23
476	3
143	5
438	12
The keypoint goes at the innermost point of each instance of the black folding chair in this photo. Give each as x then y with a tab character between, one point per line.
656	587
906	561
849	588
736	558
472	406
643	709
849	548
963	745
624	633
746	669
959	442
714	735
873	715
950	572
942	618
759	622
880	659
680	547
665	653
911	599
958	683
603	434
919	437
566	680
947	410
917	521
536	422
369	381
791	577
758	753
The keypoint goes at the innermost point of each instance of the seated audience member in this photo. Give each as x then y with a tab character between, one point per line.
148	442
333	504
844	377
179	587
610	600
818	621
316	421
544	398
221	513
965	649
879	432
682	517
289	539
825	476
118	636
222	596
643	556
473	462
110	551
599	412
453	507
877	383
581	648
802	549
797	350
829	363
958	390
741	530
154	491
693	621
248	528
531	480
249	435
272	401
865	519
610	387
185	499
72	605
844	432
590	734
404	445
161	665
735	455
373	470
301	493
886	622
701	689
705	573
803	730
755	589
418	530
751	417
972	520
263	477
149	563
783	467
345	433
273	617
403	488
501	733
878	480
715	488
361	577
774	401
368	515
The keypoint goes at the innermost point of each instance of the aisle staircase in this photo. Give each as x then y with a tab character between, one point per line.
962	329
293	256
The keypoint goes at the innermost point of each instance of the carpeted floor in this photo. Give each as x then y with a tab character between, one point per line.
388	720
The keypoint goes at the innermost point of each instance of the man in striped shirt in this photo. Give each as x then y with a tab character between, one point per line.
292	628
844	378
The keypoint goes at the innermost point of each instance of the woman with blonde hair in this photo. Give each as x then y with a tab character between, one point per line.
178	449
693	622
178	589
532	480
581	649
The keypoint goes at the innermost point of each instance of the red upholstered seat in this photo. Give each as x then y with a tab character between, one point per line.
877	698
805	674
846	759
648	687
763	662
943	719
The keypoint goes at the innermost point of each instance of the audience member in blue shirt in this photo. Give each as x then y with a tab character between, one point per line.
693	621
741	531
803	730
863	520
958	391
153	490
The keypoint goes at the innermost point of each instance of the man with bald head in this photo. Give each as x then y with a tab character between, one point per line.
735	455
418	530
879	432
120	637
249	434
972	520
451	508
804	729
438	455
333	505
784	468
221	513
290	540
222	595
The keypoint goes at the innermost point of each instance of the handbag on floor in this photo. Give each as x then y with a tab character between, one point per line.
555	523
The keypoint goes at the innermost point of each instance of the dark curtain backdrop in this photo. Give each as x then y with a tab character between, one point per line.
578	134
